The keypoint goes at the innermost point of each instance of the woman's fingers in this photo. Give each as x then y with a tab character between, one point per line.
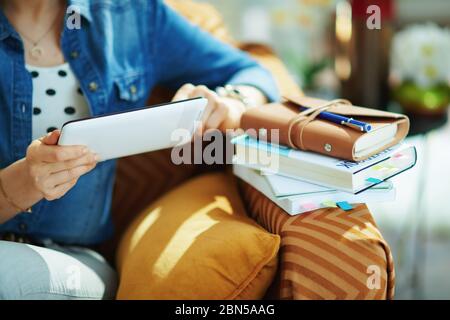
87	159
219	112
66	176
54	169
217	117
60	190
184	92
212	97
213	100
52	154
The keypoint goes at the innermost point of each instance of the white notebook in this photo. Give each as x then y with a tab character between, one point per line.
283	186
301	203
326	171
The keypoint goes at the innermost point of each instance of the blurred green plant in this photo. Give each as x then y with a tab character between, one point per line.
420	69
417	99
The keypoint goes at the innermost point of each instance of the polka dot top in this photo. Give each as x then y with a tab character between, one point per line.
57	98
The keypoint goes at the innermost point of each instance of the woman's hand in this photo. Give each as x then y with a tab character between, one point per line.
221	112
53	169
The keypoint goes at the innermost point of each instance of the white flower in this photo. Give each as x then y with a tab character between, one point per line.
421	53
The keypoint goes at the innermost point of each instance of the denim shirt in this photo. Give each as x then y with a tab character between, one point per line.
122	50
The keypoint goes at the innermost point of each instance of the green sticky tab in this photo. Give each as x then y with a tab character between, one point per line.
329	204
344	205
379	167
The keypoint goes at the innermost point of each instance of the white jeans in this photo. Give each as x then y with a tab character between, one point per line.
54	272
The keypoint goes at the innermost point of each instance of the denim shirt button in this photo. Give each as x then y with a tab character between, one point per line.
133	89
74	54
23	227
93	86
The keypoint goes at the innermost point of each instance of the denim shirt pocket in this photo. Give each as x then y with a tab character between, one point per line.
131	87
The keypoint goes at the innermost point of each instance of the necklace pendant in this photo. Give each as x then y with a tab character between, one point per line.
36	52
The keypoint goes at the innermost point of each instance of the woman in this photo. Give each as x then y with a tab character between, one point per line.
54	71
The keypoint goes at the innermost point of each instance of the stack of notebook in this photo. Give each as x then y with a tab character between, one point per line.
316	162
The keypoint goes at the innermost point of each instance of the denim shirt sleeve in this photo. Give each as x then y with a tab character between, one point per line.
183	53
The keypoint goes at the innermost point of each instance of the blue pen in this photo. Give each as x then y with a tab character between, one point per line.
349	122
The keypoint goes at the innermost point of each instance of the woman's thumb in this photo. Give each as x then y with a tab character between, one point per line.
51	138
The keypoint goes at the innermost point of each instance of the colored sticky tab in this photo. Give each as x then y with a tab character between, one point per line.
399	156
329	204
379	167
373	180
383	168
344	205
309	206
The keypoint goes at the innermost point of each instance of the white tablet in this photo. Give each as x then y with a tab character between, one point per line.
132	132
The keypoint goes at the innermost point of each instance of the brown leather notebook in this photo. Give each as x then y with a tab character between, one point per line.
302	129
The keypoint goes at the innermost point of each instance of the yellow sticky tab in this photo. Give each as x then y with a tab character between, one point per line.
381	167
329	204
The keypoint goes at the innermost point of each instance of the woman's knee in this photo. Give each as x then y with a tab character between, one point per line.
30	272
22	271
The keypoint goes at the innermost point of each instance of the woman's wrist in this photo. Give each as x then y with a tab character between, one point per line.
249	96
18	192
253	95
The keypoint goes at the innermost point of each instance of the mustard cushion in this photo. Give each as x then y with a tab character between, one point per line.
196	242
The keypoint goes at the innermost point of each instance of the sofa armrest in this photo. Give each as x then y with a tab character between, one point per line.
326	253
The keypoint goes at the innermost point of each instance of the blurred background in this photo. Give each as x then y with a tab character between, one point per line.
394	56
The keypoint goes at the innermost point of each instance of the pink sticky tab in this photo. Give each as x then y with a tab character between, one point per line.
310	206
398	156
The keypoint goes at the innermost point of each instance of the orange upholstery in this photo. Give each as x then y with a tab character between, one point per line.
327	253
197	242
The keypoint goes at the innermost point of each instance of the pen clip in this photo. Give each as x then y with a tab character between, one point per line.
352	125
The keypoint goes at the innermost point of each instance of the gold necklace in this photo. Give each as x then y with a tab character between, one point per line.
36	50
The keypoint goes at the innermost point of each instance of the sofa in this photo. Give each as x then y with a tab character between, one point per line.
325	254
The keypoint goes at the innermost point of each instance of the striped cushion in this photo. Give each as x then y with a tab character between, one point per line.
327	253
